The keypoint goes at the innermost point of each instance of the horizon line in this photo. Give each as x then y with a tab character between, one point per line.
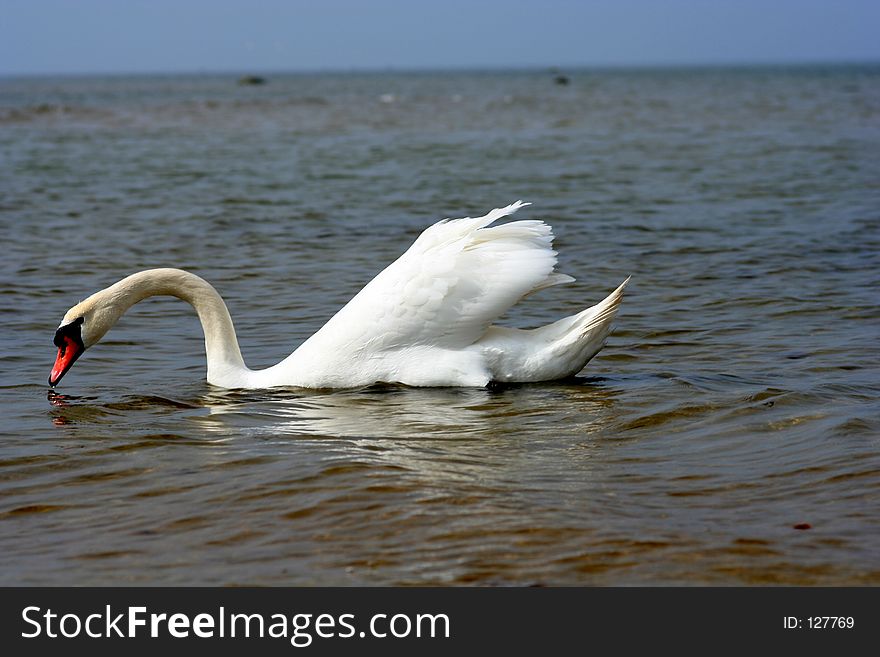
488	68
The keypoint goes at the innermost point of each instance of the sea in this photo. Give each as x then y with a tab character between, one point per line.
728	433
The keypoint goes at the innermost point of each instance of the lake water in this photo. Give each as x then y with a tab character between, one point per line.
738	397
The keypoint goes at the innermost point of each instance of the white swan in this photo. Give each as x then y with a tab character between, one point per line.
425	320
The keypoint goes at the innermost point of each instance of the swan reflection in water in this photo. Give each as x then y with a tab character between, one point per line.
579	405
399	412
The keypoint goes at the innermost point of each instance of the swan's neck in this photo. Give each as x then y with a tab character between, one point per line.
225	365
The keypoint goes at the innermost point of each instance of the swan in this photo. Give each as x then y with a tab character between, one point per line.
425	320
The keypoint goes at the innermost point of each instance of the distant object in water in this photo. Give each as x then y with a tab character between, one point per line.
426	320
561	79
251	80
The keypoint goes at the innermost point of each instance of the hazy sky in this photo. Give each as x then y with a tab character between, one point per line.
78	36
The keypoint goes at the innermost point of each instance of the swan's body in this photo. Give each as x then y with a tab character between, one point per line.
426	320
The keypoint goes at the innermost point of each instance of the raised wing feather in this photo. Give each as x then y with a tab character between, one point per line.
451	284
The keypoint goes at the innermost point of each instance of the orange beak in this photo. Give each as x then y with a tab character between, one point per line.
69	350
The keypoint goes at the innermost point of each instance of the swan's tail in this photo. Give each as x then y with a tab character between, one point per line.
581	336
555	351
595	318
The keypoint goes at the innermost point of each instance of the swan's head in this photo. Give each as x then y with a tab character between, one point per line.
82	326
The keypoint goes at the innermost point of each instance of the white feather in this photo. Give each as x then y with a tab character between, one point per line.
420	321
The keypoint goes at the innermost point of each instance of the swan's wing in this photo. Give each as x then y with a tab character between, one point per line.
450	285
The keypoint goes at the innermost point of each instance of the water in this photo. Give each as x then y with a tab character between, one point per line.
737	398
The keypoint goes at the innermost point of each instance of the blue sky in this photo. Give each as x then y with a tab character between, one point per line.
108	36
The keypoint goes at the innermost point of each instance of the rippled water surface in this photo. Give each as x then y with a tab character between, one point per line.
737	398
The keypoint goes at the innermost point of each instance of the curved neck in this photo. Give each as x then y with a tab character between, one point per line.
225	364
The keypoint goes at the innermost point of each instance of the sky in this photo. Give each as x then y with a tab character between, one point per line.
134	36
